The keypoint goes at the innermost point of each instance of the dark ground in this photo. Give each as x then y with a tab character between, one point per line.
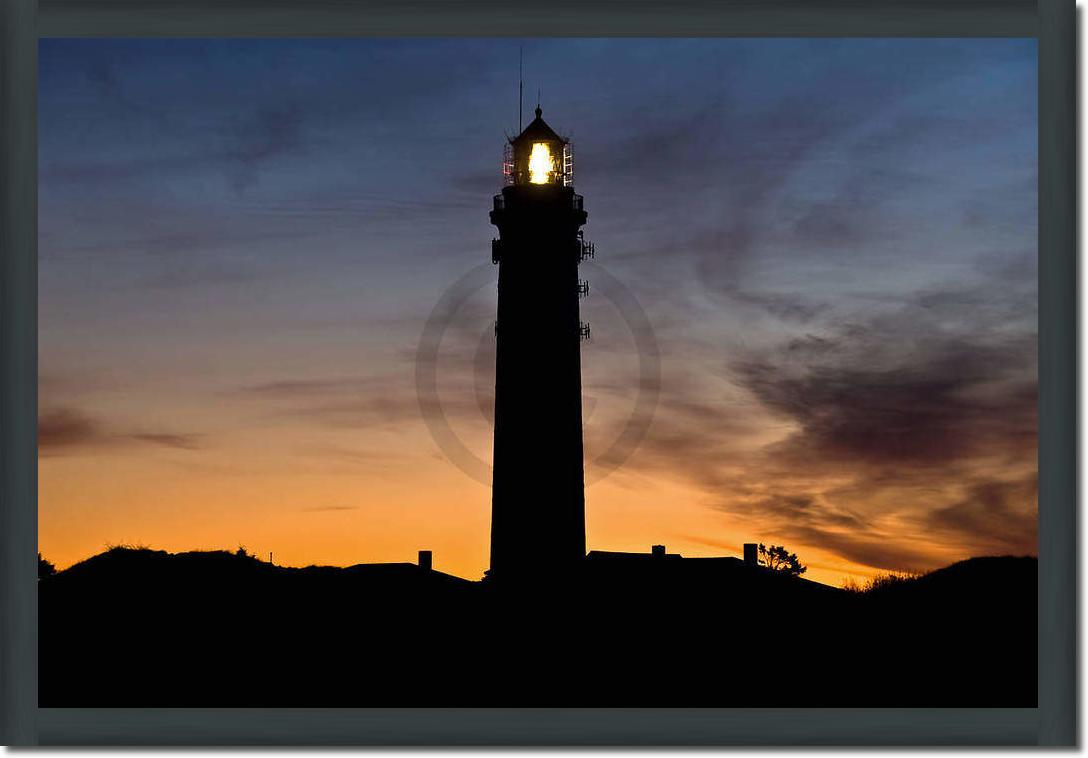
147	628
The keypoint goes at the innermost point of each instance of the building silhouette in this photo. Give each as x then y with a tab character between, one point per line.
538	500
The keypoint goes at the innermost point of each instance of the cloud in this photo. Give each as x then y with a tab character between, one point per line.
237	146
944	402
177	441
887	551
306	388
67	430
994	516
358	402
897	437
266	134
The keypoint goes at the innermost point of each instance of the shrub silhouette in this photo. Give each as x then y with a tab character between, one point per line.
892	579
45	568
881	582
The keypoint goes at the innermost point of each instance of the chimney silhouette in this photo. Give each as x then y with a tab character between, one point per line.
538	500
751	554
425	559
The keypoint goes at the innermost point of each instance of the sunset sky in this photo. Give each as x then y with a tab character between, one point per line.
834	242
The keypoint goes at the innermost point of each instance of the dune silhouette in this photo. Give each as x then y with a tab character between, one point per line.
141	627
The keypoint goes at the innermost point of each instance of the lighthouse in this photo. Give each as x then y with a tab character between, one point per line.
538	501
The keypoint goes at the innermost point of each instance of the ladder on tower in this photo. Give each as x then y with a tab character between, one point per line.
585	249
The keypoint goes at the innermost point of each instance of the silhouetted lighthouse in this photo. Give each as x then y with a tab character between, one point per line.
538	503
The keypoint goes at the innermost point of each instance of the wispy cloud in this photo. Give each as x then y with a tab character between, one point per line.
69	430
178	441
900	432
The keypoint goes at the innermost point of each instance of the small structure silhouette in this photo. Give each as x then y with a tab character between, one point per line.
751	553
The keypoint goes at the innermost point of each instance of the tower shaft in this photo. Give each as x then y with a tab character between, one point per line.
538	501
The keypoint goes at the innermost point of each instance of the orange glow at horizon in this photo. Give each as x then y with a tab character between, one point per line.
332	511
334	465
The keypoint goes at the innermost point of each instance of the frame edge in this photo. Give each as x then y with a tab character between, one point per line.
19	375
1057	363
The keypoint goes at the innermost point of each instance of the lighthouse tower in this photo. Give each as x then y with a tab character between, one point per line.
538	502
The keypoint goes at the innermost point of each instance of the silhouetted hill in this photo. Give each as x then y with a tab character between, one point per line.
137	564
139	627
126	566
971	580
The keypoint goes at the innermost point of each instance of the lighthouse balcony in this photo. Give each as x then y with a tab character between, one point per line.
532	195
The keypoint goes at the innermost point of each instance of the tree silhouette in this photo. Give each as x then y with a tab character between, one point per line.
778	558
45	568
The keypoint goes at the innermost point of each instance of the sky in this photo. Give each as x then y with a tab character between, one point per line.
832	243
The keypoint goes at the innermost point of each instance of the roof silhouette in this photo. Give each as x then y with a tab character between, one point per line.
537	131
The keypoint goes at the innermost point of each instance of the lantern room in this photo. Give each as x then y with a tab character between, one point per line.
538	157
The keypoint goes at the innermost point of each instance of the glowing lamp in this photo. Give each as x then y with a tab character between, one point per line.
541	165
538	156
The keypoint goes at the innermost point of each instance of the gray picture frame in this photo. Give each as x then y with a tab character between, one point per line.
1052	723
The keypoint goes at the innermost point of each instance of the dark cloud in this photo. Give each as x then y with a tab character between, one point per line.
940	406
266	134
798	308
67	430
994	517
682	141
177	441
911	404
887	551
